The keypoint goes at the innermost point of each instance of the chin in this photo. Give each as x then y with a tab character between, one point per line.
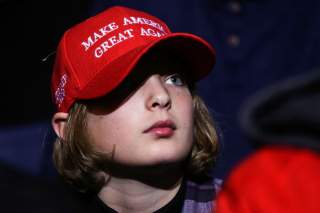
168	157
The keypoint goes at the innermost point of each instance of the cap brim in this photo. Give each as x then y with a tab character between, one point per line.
199	54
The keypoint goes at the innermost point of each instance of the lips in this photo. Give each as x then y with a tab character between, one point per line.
162	128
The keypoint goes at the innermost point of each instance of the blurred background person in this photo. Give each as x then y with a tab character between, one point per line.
283	123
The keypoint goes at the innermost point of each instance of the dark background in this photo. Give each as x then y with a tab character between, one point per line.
30	31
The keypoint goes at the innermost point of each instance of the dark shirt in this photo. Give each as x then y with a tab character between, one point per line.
175	205
192	197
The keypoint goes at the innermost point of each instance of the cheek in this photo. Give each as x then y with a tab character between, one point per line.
103	132
184	105
116	128
185	110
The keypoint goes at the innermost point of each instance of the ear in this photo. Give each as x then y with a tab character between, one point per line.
59	122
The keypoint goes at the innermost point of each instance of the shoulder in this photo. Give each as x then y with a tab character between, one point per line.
200	196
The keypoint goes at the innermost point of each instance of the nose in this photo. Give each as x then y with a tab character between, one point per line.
158	96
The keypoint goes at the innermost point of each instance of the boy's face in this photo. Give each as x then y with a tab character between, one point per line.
149	118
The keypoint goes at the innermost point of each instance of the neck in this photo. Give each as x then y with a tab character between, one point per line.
132	196
145	193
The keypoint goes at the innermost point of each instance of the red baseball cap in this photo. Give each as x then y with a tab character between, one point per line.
96	55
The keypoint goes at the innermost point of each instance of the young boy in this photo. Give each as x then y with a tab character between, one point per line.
131	130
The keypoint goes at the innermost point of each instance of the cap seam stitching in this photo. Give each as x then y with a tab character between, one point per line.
68	60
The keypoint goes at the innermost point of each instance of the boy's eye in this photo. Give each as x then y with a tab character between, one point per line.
175	79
